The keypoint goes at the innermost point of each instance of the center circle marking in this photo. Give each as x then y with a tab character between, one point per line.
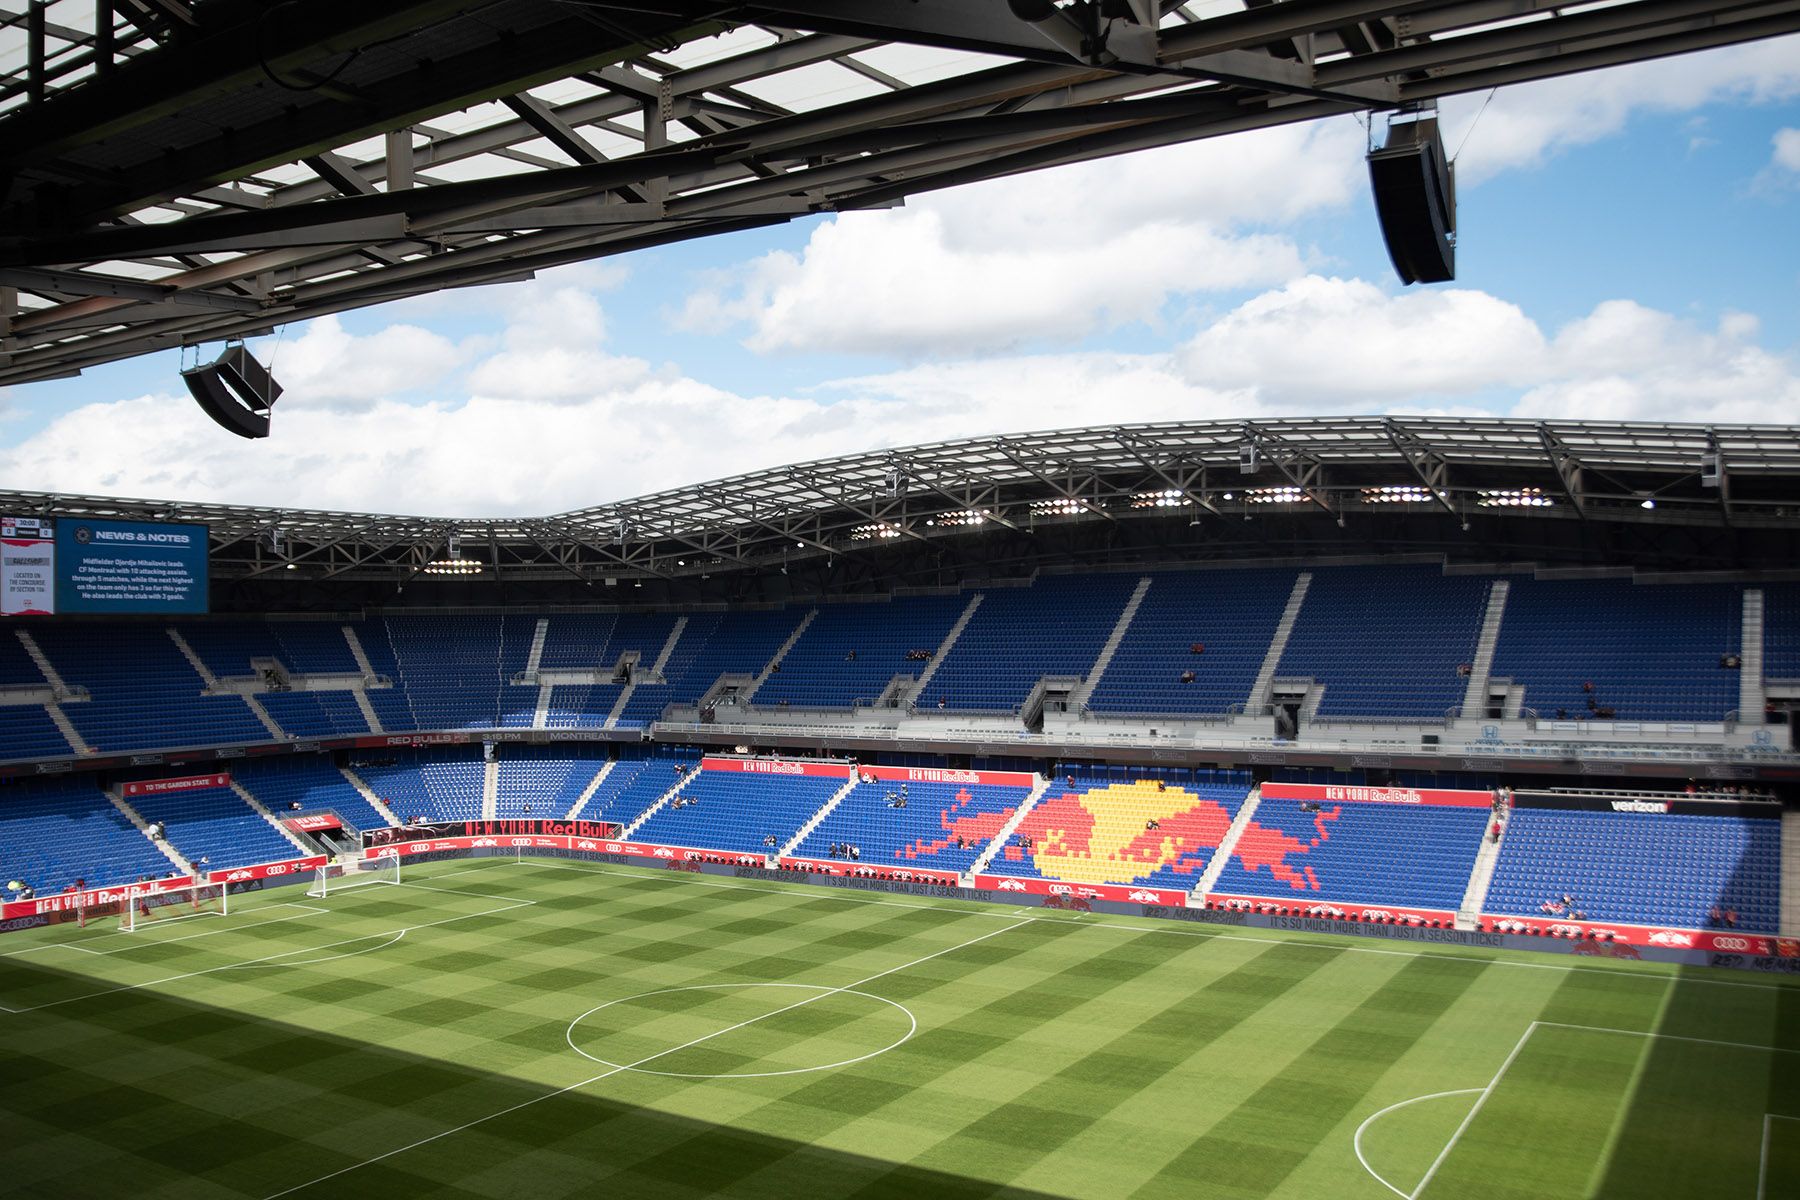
912	1027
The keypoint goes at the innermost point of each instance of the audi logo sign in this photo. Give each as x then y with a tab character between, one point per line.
1730	943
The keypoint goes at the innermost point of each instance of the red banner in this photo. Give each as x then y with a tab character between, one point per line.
1056	889
1713	941
1334	793
313	822
73	902
815	866
185	783
1022	779
269	870
1289	906
777	766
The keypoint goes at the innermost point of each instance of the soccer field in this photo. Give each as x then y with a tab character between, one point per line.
495	1028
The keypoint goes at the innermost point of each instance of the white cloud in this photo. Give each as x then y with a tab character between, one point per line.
548	426
328	367
1051	255
1327	341
1526	124
1787	150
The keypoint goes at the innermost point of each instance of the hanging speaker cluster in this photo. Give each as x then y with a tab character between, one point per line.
1415	201
236	391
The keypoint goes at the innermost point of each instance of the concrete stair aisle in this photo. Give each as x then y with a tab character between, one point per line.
137	819
1209	878
211	683
1263	688
656	672
368	793
490	790
661	800
1750	669
1007	830
368	672
749	696
944	647
58	688
540	715
1475	695
1481	875
812	822
1104	659
535	655
1790	873
587	793
303	847
617	712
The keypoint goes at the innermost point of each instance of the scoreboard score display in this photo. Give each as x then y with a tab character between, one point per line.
74	565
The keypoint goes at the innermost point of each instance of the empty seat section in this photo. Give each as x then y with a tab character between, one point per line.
315	714
1357	853
216	824
312	783
1126	829
26	732
144	694
315	647
439	785
454	669
55	832
731	810
544	782
390	703
1386	642
598	643
226	647
715	644
1019	635
850	652
1215	624
1649	652
925	833
635	783
1781	631
1640	868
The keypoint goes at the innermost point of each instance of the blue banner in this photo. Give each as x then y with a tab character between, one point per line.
130	567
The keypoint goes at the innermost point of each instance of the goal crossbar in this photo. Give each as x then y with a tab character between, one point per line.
336	877
145	906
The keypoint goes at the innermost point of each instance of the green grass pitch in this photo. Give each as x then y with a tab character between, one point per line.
542	1029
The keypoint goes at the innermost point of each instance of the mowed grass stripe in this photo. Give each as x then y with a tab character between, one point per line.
1262	1141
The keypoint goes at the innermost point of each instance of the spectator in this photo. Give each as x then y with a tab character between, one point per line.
1187	677
1197	648
1494	833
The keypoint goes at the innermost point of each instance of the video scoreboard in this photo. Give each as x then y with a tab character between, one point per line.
74	565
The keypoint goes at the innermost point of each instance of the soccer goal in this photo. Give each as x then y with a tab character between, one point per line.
146	907
333	878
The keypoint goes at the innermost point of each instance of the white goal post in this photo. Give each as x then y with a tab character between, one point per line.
145	906
336	877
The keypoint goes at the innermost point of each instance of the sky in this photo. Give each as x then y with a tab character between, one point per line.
1629	249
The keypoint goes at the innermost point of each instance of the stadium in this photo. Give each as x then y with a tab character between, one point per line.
1275	806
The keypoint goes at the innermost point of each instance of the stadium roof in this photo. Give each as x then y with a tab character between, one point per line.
178	172
1332	473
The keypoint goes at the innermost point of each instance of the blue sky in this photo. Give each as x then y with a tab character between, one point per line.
1630	249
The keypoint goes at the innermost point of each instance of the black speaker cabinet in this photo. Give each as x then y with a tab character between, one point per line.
1415	200
236	391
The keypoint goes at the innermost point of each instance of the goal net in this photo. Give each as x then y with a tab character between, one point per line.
336	877
145	907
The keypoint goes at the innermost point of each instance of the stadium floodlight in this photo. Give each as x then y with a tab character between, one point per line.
151	906
336	877
235	390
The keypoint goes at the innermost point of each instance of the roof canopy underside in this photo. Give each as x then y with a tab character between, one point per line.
174	172
1508	483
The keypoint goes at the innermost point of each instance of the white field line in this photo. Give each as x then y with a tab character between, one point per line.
1474	1110
640	1062
1762	1160
130	987
1670	1037
1356	1139
135	942
1170	928
307	962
